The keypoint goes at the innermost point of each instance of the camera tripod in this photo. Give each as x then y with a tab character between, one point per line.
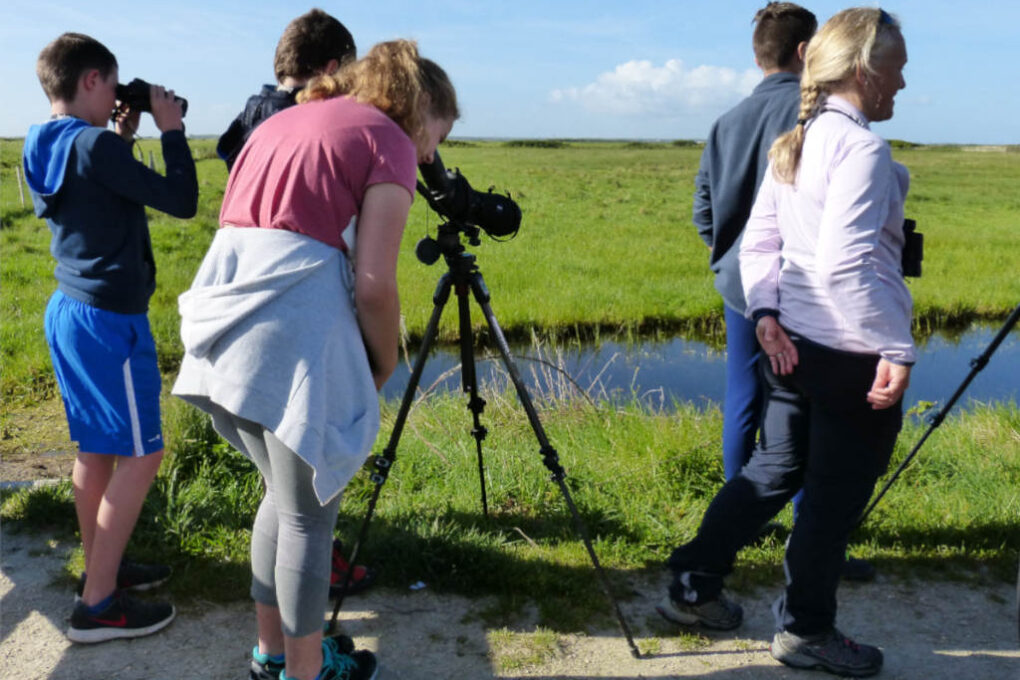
464	279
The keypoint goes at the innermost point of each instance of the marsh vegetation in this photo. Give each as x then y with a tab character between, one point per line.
606	250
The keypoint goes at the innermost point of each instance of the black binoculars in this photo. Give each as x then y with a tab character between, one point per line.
136	95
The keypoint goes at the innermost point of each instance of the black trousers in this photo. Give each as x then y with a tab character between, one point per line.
818	434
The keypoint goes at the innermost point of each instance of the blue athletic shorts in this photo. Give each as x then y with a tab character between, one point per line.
106	368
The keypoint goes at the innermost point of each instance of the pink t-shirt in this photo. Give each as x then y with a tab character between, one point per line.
306	169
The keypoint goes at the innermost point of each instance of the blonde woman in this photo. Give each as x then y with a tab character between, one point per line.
290	326
820	263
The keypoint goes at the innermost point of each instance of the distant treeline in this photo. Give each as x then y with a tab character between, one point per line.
564	143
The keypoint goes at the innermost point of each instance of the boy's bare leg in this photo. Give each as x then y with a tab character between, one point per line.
115	517
91	475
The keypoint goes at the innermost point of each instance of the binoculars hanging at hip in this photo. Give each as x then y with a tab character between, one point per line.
913	249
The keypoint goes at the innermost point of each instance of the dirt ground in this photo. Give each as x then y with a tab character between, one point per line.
34	444
928	631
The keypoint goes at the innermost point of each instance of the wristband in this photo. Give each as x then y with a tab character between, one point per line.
757	314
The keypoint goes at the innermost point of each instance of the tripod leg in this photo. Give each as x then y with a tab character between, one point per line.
469	382
482	297
385	461
549	456
439	300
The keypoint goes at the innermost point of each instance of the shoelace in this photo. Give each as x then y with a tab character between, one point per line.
342	664
847	642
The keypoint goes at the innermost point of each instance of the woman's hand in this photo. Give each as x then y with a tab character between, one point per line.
776	344
891	381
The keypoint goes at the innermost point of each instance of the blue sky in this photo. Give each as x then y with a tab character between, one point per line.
645	69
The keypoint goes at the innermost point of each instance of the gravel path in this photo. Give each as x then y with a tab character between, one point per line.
929	631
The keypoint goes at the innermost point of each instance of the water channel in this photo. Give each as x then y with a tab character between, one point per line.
661	373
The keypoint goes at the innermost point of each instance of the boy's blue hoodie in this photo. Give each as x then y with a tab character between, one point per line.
93	194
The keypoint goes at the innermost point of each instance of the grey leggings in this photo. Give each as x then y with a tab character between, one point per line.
291	542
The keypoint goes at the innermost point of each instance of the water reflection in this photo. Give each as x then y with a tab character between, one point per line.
661	373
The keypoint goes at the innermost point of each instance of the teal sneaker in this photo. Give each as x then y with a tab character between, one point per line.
264	667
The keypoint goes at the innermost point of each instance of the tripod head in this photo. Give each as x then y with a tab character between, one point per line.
446	243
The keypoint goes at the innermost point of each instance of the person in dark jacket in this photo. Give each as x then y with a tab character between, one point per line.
732	167
93	193
314	43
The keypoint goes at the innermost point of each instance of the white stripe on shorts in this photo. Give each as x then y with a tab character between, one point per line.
136	427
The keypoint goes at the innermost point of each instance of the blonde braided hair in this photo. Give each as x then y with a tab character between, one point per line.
852	40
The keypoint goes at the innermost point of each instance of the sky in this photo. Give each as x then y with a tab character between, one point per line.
643	69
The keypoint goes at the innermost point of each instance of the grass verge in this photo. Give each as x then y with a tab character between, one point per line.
641	481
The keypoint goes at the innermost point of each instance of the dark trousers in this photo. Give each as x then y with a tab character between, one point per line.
745	396
818	434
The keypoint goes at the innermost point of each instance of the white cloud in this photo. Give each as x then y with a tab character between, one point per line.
641	88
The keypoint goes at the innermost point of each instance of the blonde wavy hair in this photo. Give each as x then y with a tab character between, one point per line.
395	79
854	39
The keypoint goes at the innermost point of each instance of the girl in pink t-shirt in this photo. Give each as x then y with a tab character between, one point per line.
286	340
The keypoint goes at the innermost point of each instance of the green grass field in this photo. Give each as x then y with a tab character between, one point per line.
606	248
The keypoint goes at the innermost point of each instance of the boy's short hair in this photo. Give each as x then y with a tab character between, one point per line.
63	61
779	28
309	42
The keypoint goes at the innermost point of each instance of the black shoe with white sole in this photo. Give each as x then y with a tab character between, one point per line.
125	617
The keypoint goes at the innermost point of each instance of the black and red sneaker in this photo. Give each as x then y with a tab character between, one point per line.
361	578
125	617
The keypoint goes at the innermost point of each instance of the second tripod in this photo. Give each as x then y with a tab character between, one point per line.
465	280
